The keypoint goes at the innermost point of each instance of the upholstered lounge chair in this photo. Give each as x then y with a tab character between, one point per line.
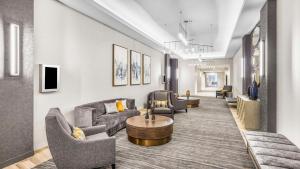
97	150
161	95
224	91
178	103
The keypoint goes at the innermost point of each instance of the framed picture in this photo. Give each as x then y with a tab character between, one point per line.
49	78
211	79
146	69
120	66
135	68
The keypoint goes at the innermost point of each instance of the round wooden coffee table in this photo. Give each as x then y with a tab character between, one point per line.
147	132
192	102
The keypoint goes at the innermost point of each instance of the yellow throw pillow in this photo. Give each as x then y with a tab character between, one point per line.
160	103
120	106
78	133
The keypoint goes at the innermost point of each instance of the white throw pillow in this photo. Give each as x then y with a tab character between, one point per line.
124	103
111	107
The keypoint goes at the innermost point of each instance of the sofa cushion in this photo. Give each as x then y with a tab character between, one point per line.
109	119
162	110
99	136
266	134
110	107
100	108
161	95
160	103
78	134
130	113
277	161
84	116
276	153
276	146
270	167
268	139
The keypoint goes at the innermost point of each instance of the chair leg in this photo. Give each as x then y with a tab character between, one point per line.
186	110
113	166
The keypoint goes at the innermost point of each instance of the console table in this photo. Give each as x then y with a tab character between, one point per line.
248	112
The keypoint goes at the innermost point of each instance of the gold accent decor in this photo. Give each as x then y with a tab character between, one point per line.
147	143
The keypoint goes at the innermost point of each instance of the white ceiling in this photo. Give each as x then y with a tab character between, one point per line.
202	13
154	22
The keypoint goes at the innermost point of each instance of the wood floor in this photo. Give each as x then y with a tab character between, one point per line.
44	154
39	157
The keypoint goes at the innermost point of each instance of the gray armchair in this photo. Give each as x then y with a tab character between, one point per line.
178	103
161	95
224	92
68	153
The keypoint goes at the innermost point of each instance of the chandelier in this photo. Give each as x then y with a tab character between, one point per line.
185	46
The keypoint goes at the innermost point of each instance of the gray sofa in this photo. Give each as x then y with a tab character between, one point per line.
161	95
93	114
97	150
272	150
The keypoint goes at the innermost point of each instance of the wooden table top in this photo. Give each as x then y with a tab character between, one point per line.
139	121
190	98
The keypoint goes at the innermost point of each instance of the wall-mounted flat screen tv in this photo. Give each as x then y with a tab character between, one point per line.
49	78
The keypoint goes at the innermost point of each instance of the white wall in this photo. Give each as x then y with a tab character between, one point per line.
221	80
83	49
288	69
237	82
187	77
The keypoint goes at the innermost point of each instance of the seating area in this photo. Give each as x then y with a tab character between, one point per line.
149	84
94	114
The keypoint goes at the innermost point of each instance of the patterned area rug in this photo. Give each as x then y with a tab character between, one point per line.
205	137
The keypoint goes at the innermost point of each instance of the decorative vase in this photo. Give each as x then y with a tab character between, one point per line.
152	117
147	115
254	91
188	94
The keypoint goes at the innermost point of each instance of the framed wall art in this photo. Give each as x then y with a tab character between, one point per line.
135	68
120	66
146	69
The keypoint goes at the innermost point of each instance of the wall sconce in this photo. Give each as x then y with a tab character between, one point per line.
14	49
262	58
168	72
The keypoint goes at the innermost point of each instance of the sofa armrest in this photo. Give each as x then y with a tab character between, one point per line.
181	104
93	130
84	116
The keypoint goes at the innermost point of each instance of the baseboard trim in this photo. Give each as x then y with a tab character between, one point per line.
16	159
40	149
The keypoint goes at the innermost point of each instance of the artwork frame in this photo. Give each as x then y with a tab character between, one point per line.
211	79
135	68
120	65
146	69
49	76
